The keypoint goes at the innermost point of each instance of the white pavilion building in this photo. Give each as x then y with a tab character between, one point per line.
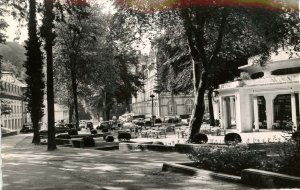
267	101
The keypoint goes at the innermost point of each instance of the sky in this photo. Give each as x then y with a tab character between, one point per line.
15	30
19	32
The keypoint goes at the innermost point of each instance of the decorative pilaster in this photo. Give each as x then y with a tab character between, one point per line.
225	113
293	106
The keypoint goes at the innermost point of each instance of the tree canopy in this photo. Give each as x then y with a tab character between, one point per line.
218	35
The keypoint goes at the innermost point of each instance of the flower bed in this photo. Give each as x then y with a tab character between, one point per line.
281	157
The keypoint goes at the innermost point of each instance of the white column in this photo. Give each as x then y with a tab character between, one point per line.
216	106
294	114
158	105
256	119
238	112
232	109
270	110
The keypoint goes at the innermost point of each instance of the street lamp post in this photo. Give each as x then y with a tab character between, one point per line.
152	110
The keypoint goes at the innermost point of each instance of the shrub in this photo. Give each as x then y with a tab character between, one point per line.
200	138
158	120
109	138
296	135
148	123
73	132
171	120
158	142
94	131
232	138
124	136
230	160
104	130
88	141
233	159
63	136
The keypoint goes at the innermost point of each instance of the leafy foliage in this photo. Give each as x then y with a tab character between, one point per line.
233	159
88	141
13	58
232	138
217	37
109	138
124	136
200	138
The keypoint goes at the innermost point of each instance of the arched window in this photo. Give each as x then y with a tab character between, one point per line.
189	105
172	107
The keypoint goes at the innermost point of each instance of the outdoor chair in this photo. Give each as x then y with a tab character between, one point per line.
163	132
151	135
144	134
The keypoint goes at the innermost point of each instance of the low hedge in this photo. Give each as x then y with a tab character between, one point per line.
233	159
200	138
104	130
124	136
88	141
232	138
109	138
73	132
94	131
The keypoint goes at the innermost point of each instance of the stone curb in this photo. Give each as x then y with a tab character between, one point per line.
9	134
125	147
188	170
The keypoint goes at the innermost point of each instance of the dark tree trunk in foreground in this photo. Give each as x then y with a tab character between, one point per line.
199	107
71	110
104	110
194	23
74	89
47	33
210	107
34	72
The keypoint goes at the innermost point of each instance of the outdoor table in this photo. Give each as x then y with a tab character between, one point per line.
155	132
180	132
144	133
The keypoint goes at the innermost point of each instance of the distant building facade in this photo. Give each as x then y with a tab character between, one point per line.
12	94
164	104
61	113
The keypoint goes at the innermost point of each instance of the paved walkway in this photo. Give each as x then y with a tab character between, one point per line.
26	166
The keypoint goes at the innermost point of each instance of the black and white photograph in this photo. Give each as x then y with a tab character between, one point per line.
149	94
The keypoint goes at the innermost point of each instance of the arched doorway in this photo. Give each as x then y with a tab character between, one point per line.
282	108
285	116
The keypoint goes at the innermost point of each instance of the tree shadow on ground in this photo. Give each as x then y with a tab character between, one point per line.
69	168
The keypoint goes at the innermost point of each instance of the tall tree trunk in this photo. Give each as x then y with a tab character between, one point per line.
107	114
199	107
74	90
194	24
34	72
49	37
210	107
173	103
36	133
71	111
